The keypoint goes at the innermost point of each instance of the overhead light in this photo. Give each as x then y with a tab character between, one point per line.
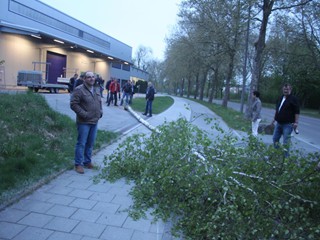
35	36
126	63
111	58
90	51
58	41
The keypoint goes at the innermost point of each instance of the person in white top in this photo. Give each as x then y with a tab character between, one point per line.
255	113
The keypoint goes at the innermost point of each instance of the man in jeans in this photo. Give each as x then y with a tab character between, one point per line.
126	92
149	97
287	118
86	103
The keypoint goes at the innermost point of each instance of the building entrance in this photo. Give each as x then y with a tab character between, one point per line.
57	66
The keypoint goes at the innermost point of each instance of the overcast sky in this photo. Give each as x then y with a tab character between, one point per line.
133	22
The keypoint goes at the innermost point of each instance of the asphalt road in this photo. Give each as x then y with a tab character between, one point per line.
309	128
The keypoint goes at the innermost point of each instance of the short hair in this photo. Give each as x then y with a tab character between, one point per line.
256	93
287	85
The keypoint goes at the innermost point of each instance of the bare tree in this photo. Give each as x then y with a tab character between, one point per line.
142	57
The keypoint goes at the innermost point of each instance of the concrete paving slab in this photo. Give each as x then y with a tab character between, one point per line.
73	207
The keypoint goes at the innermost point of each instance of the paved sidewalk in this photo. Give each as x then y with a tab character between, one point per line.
72	207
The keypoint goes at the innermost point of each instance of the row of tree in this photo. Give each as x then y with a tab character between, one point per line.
253	44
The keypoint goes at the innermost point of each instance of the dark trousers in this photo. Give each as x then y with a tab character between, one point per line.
149	108
113	96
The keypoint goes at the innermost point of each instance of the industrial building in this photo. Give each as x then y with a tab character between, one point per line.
37	37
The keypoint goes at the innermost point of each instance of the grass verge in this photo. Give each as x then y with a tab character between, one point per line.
234	119
36	143
160	104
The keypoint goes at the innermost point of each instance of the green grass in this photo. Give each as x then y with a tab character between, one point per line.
234	119
160	104
36	142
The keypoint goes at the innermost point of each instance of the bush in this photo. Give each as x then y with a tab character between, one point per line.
218	190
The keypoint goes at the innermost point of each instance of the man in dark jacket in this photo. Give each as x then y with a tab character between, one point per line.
287	118
126	92
86	103
149	97
72	81
108	90
78	81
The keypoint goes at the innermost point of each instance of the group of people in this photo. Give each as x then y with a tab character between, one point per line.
86	102
77	80
286	116
114	91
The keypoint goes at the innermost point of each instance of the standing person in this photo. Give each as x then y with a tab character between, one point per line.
78	81
287	117
108	89
132	92
255	113
86	103
99	83
114	89
126	92
149	97
72	81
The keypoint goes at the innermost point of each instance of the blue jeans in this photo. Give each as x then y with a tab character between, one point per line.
284	130
126	97
86	137
149	107
130	98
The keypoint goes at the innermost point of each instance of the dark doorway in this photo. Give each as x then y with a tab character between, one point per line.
56	67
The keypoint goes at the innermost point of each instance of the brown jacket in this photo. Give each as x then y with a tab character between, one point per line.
86	105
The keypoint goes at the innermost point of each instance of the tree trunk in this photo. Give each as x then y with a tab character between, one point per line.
214	85
244	71
203	84
197	87
189	87
259	47
228	80
182	88
208	88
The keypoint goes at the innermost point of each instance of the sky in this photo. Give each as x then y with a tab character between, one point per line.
133	22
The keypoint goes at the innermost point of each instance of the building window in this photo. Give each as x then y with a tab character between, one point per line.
116	65
126	67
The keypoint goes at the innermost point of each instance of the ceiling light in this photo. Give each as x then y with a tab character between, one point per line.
126	63
111	58
90	51
58	41
36	36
